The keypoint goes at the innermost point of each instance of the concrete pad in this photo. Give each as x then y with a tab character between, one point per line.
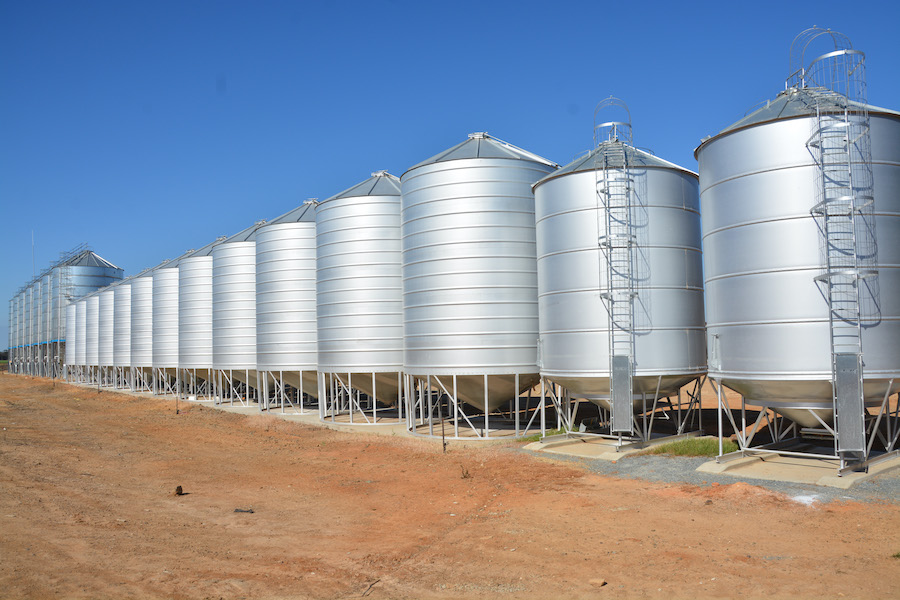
794	469
596	448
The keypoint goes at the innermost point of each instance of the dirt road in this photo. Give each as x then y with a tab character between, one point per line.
87	510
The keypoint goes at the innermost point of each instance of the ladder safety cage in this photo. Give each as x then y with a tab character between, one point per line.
618	245
844	211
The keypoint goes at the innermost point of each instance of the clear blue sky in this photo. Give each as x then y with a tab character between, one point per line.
148	128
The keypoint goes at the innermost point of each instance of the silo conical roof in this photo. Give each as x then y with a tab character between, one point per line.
381	183
245	235
89	258
793	103
302	214
634	156
481	145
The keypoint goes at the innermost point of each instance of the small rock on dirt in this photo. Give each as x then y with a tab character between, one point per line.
179	491
598	582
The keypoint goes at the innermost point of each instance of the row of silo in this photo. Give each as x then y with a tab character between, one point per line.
486	270
38	312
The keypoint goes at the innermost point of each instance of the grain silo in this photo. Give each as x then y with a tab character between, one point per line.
286	310
80	360
620	283
234	316
122	333
106	335
14	334
45	352
142	331
71	338
469	280
359	302
92	339
164	323
29	329
803	302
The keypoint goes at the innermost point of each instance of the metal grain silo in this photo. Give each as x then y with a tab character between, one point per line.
620	280
469	271
57	322
22	335
106	335
286	308
80	361
14	334
71	337
92	338
142	332
195	324
32	300
803	299
85	271
234	315
122	333
359	298
44	325
165	329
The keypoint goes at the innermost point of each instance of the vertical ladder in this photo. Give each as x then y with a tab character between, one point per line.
840	200
614	198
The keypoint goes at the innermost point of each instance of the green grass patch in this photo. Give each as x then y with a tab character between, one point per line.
694	446
537	437
895	555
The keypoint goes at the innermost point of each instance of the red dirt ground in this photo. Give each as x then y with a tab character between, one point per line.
87	510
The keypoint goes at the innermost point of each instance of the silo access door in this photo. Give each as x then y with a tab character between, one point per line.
622	408
849	408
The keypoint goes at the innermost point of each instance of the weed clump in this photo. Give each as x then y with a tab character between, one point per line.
695	446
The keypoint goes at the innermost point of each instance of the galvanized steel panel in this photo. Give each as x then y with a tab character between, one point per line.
195	313
46	295
359	285
142	321
29	316
57	306
122	329
80	333
106	335
84	279
286	297
165	318
71	333
92	331
234	306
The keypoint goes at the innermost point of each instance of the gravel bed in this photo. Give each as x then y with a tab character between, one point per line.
677	469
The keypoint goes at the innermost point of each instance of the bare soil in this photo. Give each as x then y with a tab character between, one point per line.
88	510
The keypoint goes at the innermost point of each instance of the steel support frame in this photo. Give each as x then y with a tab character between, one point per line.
191	388
688	419
275	393
423	397
164	384
787	438
227	388
339	397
